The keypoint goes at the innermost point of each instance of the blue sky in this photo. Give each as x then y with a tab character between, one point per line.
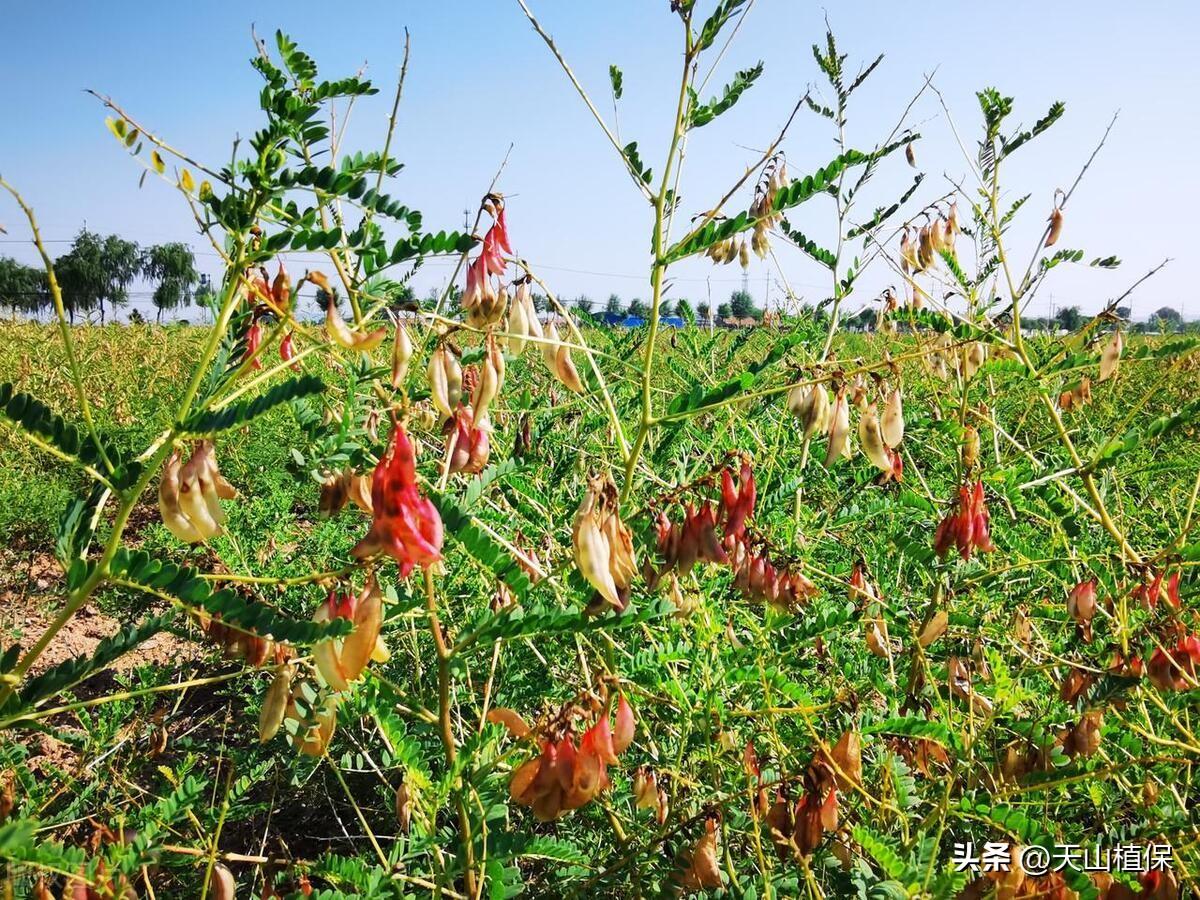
480	79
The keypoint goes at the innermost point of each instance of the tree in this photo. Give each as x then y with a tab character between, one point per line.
1170	317
724	311
1069	318
705	310
613	306
173	267
584	303
97	270
1124	312
22	288
741	305
636	308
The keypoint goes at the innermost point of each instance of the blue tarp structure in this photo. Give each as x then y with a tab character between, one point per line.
621	320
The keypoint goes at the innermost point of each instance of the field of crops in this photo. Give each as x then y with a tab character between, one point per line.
477	598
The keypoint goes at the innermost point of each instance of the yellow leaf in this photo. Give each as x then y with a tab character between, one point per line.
205	190
131	138
157	162
186	182
116	126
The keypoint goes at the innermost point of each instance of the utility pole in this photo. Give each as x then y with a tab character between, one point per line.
466	220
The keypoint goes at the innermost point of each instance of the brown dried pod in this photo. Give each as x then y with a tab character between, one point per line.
404	805
275	703
703	870
933	628
1056	224
223	884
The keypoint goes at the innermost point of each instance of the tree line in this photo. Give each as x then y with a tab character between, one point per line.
95	275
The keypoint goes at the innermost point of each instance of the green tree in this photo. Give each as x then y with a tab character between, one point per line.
704	310
636	308
1069	318
173	268
22	288
96	271
584	303
613	306
741	304
1170	318
724	311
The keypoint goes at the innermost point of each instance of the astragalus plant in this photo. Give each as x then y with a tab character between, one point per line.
544	607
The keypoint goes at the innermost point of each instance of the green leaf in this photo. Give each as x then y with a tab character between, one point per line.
917	728
797	192
481	546
1159	428
635	162
1007	146
140	571
820	254
240	413
53	432
716	21
702	115
617	80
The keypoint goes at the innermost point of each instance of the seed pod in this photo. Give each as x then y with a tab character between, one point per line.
404	804
933	628
169	506
877	639
490	381
342	335
892	423
925	251
847	758
358	489
402	351
744	255
910	154
518	321
839	430
281	289
974	355
445	381
359	646
1056	224
810	404
564	367
703	871
871	438
625	725
550	348
593	556
952	223
1111	357
645	789
223	884
275	703
970	447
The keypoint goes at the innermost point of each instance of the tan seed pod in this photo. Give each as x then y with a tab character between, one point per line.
892	422
564	368
169	506
839	430
704	871
1110	359
1056	224
275	703
877	639
404	805
934	628
871	438
744	255
402	351
970	447
223	884
593	556
342	335
518	322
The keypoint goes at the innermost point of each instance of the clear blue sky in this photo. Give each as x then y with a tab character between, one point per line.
480	78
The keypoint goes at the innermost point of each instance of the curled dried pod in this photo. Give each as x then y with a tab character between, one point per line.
810	404
703	870
337	329
445	381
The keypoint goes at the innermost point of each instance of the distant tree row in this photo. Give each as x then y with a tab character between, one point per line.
95	275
